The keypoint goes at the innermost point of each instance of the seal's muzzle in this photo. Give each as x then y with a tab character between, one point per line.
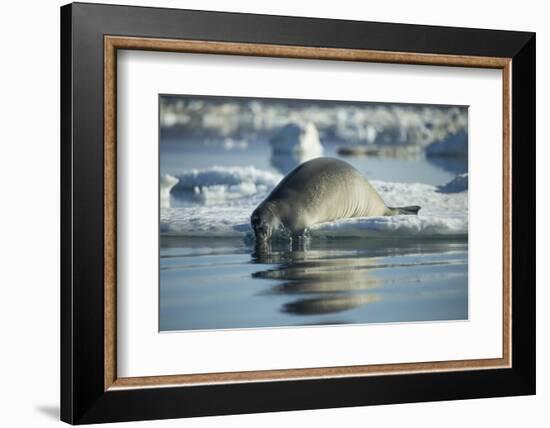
262	224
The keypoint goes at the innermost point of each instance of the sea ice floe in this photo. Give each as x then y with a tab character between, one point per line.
227	196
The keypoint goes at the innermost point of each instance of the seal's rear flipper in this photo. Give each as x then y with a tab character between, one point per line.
412	210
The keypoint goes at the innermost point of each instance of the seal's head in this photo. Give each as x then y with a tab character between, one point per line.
264	222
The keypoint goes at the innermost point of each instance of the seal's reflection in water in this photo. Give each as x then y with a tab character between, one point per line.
329	280
328	287
228	283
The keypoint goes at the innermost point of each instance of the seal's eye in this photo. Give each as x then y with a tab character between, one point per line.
255	220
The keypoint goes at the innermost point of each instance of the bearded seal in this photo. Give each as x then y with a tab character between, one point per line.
319	190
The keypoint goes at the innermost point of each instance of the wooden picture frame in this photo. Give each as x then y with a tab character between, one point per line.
91	391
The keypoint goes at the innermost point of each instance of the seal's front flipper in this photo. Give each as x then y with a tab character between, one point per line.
412	210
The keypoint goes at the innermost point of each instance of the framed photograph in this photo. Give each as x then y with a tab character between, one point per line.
266	213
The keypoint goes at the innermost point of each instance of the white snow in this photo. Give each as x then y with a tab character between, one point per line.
293	144
297	138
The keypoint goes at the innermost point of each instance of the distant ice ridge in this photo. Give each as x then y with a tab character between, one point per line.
223	184
221	175
239	190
